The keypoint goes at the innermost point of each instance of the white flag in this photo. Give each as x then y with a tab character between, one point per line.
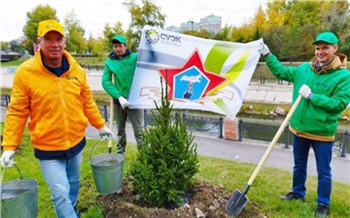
201	74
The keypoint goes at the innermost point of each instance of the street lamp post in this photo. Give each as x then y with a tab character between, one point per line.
191	21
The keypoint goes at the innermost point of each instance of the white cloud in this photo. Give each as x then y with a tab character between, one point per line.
95	14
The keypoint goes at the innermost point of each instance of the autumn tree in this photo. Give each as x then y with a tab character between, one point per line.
202	33
90	46
90	43
291	51
110	31
300	13
335	17
245	33
148	13
276	12
258	24
30	29
100	47
223	34
250	30
291	26
76	42
16	47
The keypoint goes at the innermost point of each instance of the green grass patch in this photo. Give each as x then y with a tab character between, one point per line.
100	60
264	193
16	62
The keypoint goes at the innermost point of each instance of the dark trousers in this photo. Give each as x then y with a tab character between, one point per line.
135	117
323	156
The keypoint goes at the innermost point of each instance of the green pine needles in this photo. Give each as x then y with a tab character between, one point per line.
166	160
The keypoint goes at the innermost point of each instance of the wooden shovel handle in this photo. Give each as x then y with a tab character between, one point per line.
274	140
111	113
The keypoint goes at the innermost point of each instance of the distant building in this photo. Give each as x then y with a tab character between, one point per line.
190	25
210	23
174	29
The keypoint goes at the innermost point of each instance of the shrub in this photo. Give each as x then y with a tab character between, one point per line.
166	160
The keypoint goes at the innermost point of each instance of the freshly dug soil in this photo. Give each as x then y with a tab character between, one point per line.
205	201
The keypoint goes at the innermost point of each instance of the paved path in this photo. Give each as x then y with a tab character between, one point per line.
251	152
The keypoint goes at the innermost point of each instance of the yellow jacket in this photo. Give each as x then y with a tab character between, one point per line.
58	108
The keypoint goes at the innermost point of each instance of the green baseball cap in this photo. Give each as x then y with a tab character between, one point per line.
119	39
327	37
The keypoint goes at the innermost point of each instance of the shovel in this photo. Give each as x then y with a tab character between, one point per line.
111	123
111	113
238	200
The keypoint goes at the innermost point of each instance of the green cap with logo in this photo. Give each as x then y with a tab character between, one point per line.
327	37
119	39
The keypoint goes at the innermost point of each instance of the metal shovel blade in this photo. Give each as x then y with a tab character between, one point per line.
236	203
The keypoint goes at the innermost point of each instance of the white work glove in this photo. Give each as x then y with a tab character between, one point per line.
305	91
6	158
123	102
105	133
264	50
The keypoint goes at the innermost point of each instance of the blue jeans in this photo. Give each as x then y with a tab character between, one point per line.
323	156
63	178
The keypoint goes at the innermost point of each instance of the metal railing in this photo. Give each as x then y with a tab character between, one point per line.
214	126
208	125
5	100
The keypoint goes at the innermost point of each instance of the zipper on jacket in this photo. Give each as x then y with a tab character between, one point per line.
65	117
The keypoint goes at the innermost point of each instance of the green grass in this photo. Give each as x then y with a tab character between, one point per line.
264	193
16	62
92	60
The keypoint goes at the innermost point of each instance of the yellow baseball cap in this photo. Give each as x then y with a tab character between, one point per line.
50	25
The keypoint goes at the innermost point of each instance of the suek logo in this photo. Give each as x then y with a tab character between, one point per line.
152	36
170	38
69	77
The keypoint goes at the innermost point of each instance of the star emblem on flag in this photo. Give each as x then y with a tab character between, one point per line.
191	81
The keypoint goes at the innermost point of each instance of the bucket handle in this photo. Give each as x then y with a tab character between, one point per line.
93	148
109	150
19	171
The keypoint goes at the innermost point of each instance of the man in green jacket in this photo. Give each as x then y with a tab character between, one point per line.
324	84
121	63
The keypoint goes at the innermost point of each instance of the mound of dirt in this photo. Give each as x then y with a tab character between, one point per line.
205	201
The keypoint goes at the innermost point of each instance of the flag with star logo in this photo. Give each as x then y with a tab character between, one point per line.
201	74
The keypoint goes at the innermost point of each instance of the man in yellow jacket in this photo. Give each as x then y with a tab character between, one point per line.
52	90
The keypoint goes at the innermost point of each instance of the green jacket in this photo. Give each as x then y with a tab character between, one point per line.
123	71
318	117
